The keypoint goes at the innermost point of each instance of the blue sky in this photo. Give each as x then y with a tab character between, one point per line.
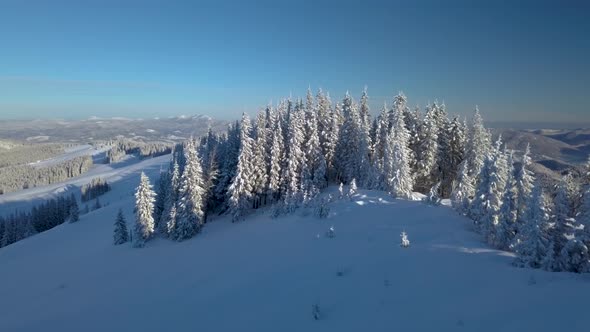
523	62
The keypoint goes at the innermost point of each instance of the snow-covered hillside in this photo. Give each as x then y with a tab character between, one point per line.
266	274
23	199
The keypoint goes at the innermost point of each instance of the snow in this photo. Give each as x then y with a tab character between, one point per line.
267	274
110	172
70	153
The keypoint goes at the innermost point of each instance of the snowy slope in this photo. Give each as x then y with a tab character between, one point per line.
23	199
71	153
266	274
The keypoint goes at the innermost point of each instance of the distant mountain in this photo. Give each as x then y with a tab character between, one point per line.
554	152
95	128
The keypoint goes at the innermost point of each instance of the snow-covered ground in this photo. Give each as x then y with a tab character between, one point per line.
71	153
266	274
112	173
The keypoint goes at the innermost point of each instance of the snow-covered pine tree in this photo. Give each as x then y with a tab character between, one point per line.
277	152
74	209
479	204
428	150
433	197
444	171
524	183
295	159
259	163
190	210
144	212
352	189
241	188
365	115
315	159
331	144
397	170
413	120
120	234
404	242
478	147
463	189
380	143
171	198
532	242
455	155
561	230
352	151
576	253
494	193
505	230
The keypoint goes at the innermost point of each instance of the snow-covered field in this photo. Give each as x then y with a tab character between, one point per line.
266	274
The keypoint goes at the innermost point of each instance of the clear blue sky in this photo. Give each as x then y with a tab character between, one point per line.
523	62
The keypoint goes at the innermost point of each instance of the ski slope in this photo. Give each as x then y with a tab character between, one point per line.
265	274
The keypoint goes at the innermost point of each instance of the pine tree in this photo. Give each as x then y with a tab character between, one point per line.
365	115
277	152
493	193
478	146
74	209
433	197
144	209
259	163
455	155
508	212
315	158
463	189
352	189
171	199
397	170
428	150
381	141
561	230
532	243
241	189
190	211
479	205
524	184
352	150
121	234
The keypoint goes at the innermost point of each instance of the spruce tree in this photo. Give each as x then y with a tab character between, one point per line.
397	170
524	184
532	243
144	210
478	146
428	150
508	212
121	234
190	211
74	209
463	189
241	189
277	152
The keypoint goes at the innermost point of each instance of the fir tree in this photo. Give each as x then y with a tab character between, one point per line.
241	189
428	150
74	209
397	170
144	209
121	234
508	212
524	183
190	212
532	243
